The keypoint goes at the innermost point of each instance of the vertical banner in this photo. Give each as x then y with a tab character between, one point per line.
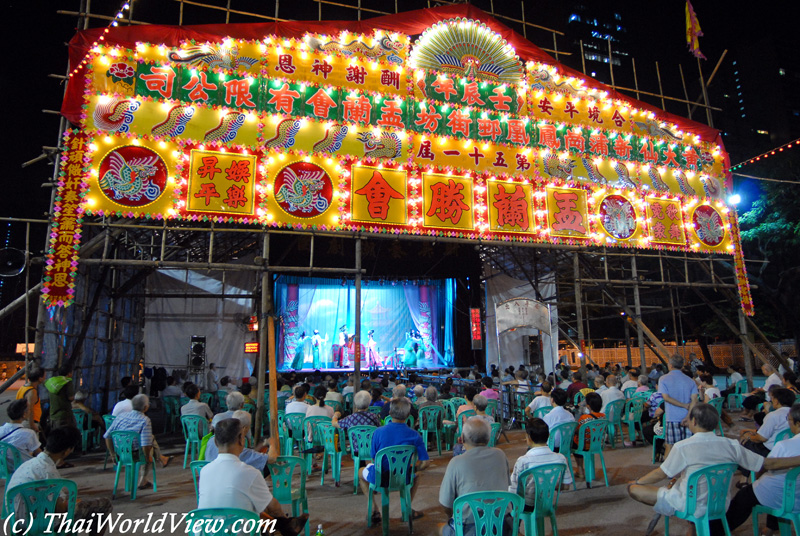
475	328
291	323
65	234
425	324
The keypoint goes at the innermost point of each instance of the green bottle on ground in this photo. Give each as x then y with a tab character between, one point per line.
319	532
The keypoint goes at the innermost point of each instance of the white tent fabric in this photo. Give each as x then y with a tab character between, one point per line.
171	321
513	345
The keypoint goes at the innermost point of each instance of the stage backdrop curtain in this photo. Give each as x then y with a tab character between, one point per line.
391	310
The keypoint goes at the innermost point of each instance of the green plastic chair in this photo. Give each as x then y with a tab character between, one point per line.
194	428
457	402
10	460
294	428
466	414
195	467
375	409
222	402
488	509
643	394
632	417
172	405
221	520
348	402
577	399
360	448
332	454
741	387
718	477
206	398
430	419
629	392
84	422
497	429
785	513
566	433
595	430
183	401
409	420
717	403
614	411
662	435
336	405
394	471
735	402
312	437
108	420
547	480
449	410
131	457
541	412
36	499
491	409
251	409
282	473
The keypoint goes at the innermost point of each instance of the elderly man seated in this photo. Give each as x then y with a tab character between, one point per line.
227	482
234	401
60	444
14	433
136	421
255	456
538	454
762	441
480	468
390	435
612	393
194	406
702	449
399	392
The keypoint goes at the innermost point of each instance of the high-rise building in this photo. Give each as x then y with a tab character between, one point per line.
599	30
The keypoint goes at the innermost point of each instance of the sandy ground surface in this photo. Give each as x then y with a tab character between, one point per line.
600	510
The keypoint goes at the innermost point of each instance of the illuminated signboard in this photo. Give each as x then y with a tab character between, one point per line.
251	347
475	328
369	132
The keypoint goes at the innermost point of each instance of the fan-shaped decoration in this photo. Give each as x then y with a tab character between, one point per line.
466	47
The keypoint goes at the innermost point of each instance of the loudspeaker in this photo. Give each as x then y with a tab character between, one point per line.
12	262
197	351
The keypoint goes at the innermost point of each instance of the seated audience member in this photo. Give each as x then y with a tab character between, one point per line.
377	398
15	433
234	401
94	418
136	421
469	396
701	449
419	392
489	392
632	380
480	468
762	441
655	373
60	444
538	454
389	435
760	394
600	384
349	387
612	393
29	391
431	398
576	386
298	405
481	403
172	389
333	394
124	405
768	489
564	379
360	415
255	456
246	390
194	406
445	390
791	383
399	392
593	403
734	376
707	390
558	414
225	384
228	482
541	401
644	384
520	381
320	409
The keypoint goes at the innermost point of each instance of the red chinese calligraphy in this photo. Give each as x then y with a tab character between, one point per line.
160	80
658	210
567	218
548	137
500	160
691	157
649	153
447	201
500	100
622	147
675	232
659	230
391	114
425	150
390	78
207	190
209	168
477	155
283	98
511	206
598	144
516	132
471	94
574	140
322	103
356	74
672	212
522	162
669	157
238	171
617	119
428	120
357	109
594	115
444	86
237	93
236	197
199	86
571	109
285	64
321	68
459	122
378	193
489	128
545	106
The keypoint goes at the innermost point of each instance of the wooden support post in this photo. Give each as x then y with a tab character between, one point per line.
579	311
357	342
638	308
266	336
748	359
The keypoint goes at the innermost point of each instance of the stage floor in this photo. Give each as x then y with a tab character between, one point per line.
423	365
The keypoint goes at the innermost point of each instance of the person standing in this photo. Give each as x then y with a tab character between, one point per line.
680	395
316	344
212	380
62	393
30	392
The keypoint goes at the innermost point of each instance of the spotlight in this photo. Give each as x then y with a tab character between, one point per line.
734	199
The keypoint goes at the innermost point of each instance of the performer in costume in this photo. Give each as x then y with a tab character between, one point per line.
343	340
374	358
316	342
299	352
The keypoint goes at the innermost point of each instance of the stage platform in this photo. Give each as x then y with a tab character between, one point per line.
348	370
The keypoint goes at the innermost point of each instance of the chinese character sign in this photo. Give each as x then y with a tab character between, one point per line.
221	182
567	212
447	201
509	206
378	195
666	222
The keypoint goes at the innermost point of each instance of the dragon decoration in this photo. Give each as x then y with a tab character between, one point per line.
300	190
385	47
131	180
215	56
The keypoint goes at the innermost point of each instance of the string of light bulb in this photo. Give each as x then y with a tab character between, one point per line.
766	154
115	22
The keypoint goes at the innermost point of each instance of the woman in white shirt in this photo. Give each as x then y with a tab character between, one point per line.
319	409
